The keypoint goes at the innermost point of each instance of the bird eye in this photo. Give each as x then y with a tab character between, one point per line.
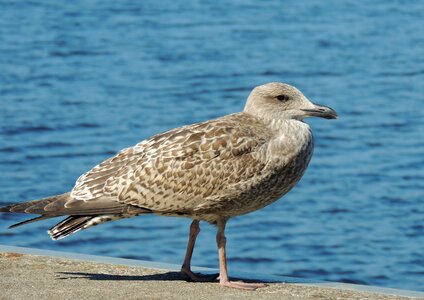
283	97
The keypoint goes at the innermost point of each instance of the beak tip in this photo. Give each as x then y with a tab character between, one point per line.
335	117
331	113
322	112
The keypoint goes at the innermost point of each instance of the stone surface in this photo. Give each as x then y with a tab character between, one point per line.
25	276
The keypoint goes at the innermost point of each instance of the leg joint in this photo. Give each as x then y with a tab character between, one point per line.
194	228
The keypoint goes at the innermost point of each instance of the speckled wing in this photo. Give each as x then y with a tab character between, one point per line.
178	170
90	185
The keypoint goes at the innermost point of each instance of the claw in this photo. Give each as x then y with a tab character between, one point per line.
197	277
242	285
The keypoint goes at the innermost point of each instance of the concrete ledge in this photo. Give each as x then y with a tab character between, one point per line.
43	274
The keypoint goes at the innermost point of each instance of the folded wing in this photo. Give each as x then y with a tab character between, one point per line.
178	170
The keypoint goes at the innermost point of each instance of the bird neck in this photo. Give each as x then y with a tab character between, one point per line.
290	137
283	125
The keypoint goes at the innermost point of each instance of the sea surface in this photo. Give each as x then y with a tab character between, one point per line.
80	80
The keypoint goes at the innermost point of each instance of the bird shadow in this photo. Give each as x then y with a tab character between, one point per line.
168	276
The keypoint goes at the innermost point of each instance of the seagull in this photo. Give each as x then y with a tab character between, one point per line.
209	171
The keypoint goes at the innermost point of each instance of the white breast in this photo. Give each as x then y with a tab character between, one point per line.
291	137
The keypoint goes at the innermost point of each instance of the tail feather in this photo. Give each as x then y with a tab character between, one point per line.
62	205
39	218
82	214
68	226
37	206
74	224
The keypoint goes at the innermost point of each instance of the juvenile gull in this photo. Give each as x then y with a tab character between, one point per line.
209	171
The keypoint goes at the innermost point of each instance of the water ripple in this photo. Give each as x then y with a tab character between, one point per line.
80	81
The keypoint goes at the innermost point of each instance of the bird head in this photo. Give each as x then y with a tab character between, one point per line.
278	100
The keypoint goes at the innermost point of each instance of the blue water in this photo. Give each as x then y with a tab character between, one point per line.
79	80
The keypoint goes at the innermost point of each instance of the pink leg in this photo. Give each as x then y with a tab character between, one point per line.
186	267
223	274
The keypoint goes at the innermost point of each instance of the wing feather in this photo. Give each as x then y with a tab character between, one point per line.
180	169
90	185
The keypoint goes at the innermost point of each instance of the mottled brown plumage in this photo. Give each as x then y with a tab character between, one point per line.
208	171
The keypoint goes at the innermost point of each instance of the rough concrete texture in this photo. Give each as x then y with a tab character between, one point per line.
37	277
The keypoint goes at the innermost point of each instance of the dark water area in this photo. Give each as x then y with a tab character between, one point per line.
80	80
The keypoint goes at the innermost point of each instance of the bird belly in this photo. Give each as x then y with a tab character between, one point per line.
271	186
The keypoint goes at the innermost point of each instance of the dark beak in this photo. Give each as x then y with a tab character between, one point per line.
322	112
